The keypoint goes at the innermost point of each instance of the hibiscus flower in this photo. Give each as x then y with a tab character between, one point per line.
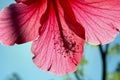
59	28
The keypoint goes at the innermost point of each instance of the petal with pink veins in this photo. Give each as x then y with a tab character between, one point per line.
70	19
20	23
58	49
100	18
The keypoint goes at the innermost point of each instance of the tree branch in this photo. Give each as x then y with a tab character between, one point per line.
103	57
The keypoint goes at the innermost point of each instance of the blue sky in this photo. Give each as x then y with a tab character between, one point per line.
18	59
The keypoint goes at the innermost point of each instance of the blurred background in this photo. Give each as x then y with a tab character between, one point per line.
98	63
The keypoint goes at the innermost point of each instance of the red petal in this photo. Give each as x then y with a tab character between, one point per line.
26	1
56	51
20	23
22	0
100	18
71	20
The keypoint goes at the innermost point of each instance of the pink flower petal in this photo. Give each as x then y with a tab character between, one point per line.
58	49
20	23
100	18
71	20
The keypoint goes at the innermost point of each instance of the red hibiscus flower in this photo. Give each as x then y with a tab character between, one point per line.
58	29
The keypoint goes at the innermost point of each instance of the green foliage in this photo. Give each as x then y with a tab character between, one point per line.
83	62
114	76
67	77
79	73
117	76
80	70
114	50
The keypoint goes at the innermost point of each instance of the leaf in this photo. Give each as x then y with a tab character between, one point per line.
114	50
114	76
83	61
117	76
